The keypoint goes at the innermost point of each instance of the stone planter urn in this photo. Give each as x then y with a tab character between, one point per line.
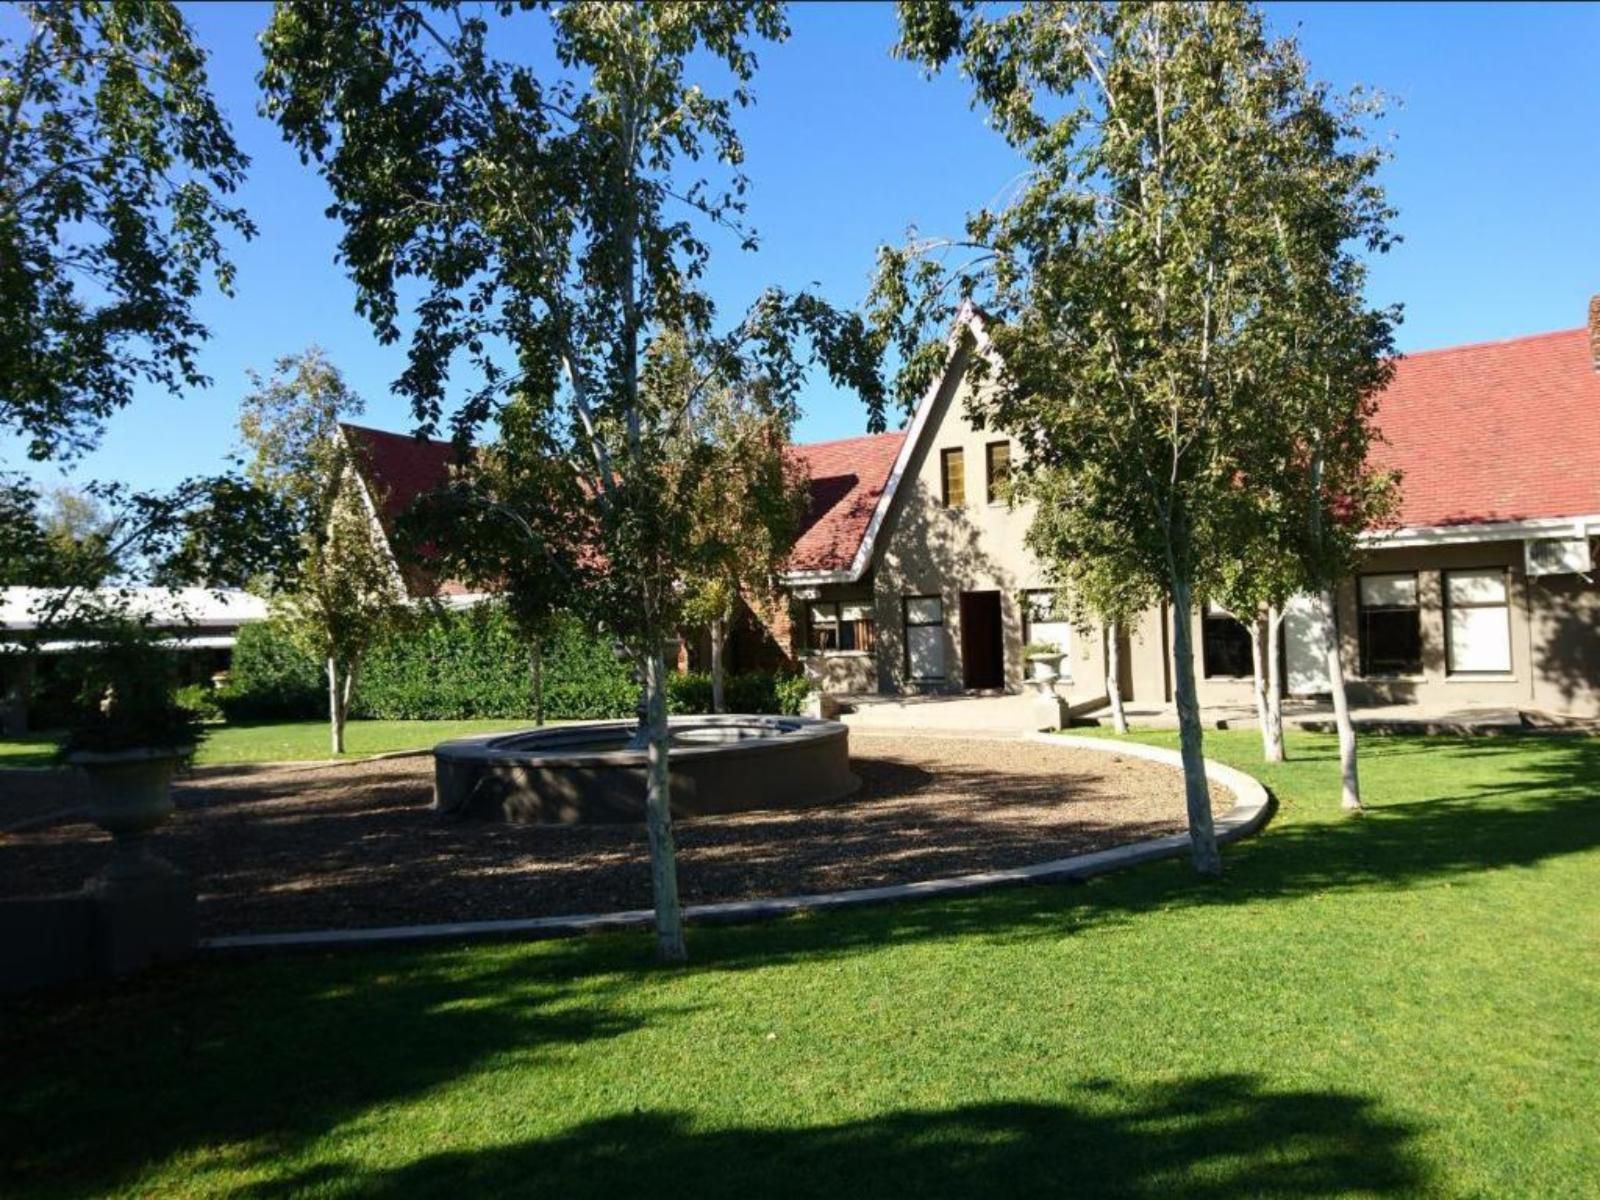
130	795
1042	671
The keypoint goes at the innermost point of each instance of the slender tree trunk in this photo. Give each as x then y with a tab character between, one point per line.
1349	780
1119	716
1274	748
536	679
335	706
1197	793
658	814
718	632
1258	683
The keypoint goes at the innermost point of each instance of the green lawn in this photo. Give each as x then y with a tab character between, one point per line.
289	741
1402	1004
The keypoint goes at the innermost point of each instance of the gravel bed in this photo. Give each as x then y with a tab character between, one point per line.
284	848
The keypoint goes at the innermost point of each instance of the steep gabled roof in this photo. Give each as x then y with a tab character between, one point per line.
1496	431
848	479
399	467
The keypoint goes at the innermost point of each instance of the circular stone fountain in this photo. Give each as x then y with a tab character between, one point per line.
590	773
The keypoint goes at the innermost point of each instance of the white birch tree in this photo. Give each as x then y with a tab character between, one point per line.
558	223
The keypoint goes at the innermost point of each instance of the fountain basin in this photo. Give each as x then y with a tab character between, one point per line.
588	773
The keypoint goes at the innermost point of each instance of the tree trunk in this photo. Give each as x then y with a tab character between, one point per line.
1274	748
18	692
658	814
1258	685
536	679
718	632
335	706
1119	717
1197	793
1349	780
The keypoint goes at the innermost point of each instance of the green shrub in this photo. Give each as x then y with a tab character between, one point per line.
201	700
464	664
272	679
749	692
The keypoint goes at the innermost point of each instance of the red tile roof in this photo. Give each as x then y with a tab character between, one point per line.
399	467
847	480
1498	431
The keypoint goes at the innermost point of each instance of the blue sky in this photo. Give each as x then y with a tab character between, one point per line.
1496	176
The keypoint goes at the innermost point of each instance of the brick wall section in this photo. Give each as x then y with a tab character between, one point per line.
775	618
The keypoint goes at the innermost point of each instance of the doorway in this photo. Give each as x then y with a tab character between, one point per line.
983	663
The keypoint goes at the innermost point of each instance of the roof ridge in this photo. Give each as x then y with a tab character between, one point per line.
860	437
1491	342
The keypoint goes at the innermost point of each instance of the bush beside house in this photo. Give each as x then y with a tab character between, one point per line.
470	664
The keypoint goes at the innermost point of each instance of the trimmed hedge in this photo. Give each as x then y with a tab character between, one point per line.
272	679
470	663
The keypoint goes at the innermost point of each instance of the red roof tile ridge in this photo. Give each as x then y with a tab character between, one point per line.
1491	343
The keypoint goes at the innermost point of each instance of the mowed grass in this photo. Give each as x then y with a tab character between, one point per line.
1407	1003
287	741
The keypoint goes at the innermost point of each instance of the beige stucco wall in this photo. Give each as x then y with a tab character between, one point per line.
1554	640
930	550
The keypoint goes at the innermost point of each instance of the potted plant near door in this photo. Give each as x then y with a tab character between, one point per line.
128	735
1043	660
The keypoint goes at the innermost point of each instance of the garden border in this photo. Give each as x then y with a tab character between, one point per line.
1251	809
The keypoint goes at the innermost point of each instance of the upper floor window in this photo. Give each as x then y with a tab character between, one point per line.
998	455
952	471
1478	621
1225	649
1389	624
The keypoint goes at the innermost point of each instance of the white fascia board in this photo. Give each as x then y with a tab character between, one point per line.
1484	531
967	318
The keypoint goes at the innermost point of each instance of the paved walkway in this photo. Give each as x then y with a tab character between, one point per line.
1016	714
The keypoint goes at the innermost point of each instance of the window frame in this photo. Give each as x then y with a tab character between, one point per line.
1450	669
1211	611
989	473
1363	656
907	625
839	623
957	455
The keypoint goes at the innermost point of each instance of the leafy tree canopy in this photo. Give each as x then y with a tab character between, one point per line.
115	165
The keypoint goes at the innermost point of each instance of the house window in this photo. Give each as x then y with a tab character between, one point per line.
1389	625
1225	649
952	470
998	464
1477	621
924	617
1045	621
843	626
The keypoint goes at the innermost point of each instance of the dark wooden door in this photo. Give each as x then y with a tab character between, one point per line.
983	662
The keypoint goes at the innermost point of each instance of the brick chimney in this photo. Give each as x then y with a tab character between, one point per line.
1594	331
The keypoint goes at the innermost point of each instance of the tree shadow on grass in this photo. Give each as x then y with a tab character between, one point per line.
1221	1136
268	1056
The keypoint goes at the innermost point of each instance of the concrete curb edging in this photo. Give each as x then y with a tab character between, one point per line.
1251	808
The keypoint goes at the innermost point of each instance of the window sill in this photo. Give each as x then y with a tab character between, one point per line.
836	654
1392	678
1479	677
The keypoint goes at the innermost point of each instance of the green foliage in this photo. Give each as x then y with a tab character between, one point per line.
272	678
126	694
114	161
748	692
474	663
200	699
